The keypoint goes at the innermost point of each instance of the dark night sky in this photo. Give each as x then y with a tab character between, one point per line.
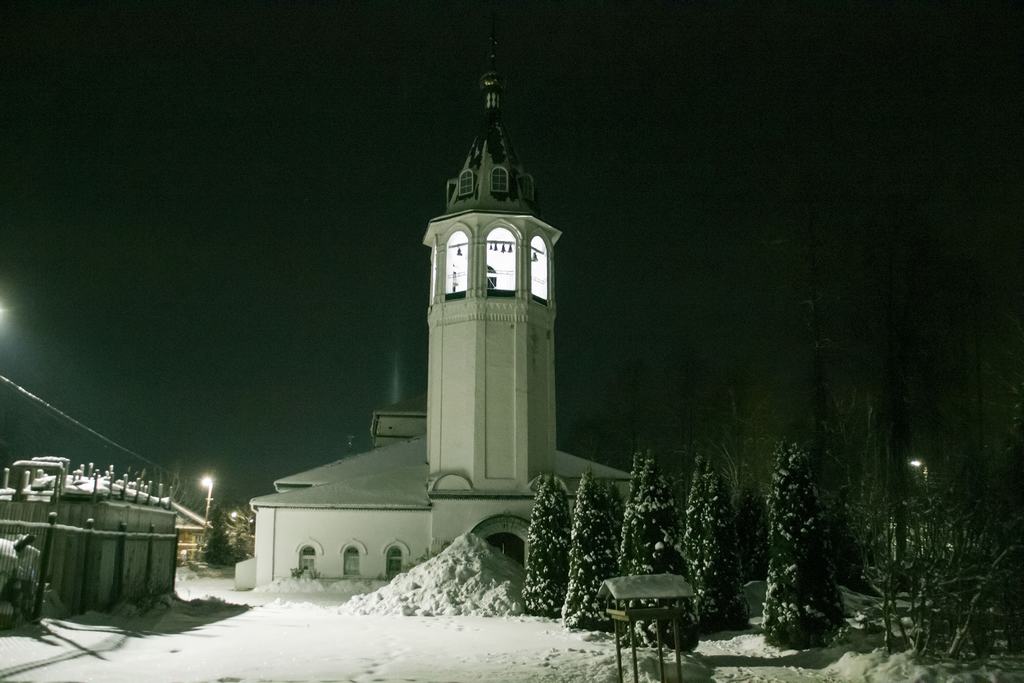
211	217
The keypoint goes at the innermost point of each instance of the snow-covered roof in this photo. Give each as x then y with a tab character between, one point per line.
390	477
646	586
369	462
188	514
570	466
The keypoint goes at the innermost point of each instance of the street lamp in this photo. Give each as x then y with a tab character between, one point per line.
208	483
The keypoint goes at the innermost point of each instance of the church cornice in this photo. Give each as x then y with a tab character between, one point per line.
483	308
480	495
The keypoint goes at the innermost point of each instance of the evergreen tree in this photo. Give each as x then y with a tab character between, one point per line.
240	534
217	549
752	536
650	536
591	557
711	550
626	550
802	606
547	570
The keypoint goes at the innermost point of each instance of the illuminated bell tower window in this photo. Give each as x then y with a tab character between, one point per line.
538	270
457	266
501	263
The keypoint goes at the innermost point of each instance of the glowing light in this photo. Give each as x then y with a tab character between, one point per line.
916	463
207	482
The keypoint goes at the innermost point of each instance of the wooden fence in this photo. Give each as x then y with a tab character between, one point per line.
92	555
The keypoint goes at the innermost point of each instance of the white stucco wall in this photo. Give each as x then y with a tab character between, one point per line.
453	517
281	532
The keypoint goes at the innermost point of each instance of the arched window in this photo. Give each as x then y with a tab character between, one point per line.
539	270
501	263
307	559
457	257
465	183
499	180
526	186
350	561
393	564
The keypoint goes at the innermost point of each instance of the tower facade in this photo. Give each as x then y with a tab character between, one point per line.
491	380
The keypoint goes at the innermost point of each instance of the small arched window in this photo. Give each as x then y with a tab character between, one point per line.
539	270
526	186
457	265
499	180
350	561
393	564
307	559
501	262
465	183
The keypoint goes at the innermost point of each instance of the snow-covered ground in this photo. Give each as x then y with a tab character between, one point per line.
216	634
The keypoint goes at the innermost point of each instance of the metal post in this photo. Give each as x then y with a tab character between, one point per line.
44	567
95	486
174	558
661	661
86	580
618	648
149	557
118	588
632	646
675	635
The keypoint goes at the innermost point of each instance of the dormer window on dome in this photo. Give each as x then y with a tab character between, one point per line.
499	181
466	183
525	183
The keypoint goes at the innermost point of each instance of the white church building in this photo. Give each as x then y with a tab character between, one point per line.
465	457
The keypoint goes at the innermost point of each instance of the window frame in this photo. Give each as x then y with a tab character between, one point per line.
496	173
467	181
310	556
351	551
389	556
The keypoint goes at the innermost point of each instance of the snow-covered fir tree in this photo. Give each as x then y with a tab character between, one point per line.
650	538
615	510
591	557
626	545
547	568
752	535
802	606
711	550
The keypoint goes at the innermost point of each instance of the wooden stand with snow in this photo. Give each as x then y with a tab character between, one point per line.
668	591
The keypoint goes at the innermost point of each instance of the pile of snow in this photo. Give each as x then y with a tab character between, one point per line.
469	578
879	667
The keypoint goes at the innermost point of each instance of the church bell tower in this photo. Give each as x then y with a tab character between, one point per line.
491	379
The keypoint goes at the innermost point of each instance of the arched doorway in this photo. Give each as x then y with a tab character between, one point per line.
509	544
507	533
